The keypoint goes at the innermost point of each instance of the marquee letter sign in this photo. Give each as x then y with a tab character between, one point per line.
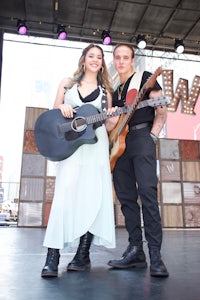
181	93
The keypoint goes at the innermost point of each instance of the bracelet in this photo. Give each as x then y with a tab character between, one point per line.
154	137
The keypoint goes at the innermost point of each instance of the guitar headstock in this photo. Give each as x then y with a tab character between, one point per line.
152	79
159	101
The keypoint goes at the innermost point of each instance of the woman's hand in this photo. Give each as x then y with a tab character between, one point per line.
111	110
67	110
111	122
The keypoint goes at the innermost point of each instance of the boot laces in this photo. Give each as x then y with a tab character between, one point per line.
52	256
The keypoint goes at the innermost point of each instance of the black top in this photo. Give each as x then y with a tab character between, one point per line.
145	114
91	97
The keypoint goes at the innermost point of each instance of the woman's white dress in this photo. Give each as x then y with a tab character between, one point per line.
83	199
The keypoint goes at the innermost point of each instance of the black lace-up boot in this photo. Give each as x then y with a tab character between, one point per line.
133	257
81	260
157	267
51	265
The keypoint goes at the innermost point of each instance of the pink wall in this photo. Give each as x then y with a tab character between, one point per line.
182	126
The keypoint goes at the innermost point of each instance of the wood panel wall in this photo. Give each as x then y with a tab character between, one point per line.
178	182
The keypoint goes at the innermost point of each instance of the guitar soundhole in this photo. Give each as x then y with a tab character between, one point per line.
79	124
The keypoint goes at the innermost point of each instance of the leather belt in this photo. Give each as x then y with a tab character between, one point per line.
140	126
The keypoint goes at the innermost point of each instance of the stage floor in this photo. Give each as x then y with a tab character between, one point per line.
22	257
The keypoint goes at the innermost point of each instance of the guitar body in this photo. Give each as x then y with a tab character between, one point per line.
57	144
118	135
117	142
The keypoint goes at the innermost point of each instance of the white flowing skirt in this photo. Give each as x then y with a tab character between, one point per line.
83	199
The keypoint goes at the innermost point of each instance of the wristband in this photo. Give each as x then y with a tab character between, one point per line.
154	137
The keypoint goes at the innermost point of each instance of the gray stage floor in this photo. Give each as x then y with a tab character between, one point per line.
22	257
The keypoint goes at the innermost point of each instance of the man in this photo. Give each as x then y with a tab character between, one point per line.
134	174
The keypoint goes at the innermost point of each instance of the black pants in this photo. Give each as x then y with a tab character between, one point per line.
135	175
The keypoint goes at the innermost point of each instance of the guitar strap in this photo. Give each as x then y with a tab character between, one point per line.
104	100
135	81
104	105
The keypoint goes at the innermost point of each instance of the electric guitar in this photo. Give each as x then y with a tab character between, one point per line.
57	137
118	134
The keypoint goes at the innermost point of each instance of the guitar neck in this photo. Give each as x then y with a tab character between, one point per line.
148	84
100	117
160	101
103	116
145	103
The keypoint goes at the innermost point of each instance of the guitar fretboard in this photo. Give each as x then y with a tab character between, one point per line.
103	116
100	117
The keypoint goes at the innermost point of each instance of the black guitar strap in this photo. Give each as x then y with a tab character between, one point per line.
104	100
104	105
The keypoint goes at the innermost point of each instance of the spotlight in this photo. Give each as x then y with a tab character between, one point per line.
106	38
62	34
179	46
21	27
141	41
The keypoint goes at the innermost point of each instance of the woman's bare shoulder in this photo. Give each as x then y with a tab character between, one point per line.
67	81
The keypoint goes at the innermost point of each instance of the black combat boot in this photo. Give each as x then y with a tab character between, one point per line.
81	260
51	265
157	267
133	257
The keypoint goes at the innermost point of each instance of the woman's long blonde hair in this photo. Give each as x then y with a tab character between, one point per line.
103	76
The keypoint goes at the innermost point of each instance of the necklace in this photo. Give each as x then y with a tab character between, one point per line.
120	90
121	87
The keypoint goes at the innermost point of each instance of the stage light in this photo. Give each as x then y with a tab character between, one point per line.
179	46
106	38
62	34
21	27
141	41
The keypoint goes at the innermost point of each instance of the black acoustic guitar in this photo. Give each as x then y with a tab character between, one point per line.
58	138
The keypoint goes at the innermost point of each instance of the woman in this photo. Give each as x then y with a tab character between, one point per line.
82	208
